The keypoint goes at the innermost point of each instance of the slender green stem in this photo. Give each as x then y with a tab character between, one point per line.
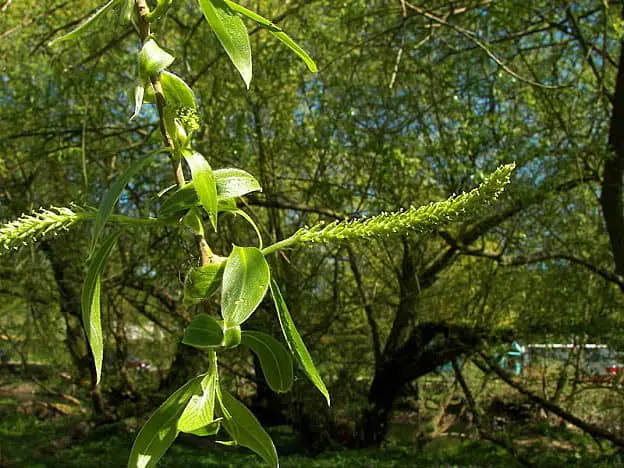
145	17
281	245
212	359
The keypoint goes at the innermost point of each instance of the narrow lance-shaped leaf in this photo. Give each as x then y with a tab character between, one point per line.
245	282
203	332
295	343
111	197
90	302
276	363
204	183
161	429
245	429
139	94
232	34
277	32
87	26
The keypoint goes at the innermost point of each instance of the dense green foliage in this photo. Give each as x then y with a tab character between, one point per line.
411	106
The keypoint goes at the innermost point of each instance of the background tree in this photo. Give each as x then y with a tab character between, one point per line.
413	102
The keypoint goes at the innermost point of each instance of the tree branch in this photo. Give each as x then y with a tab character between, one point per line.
488	365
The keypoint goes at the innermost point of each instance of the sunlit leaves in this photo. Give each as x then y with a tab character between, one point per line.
277	32
245	282
199	411
294	341
182	199
245	429
232	183
232	34
275	361
90	302
204	184
176	92
153	59
161	429
232	337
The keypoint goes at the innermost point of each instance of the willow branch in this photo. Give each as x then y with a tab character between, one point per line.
205	252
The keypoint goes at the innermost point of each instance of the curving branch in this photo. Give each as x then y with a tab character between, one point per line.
487	365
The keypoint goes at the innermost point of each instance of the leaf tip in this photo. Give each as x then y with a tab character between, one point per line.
247	79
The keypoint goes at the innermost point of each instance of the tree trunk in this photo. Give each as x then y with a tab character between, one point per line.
429	346
612	189
376	417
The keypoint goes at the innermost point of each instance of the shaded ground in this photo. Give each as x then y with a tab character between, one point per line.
58	441
46	427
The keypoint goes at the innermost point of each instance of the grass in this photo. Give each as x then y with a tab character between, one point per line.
27	442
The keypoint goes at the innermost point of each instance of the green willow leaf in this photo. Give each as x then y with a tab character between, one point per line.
295	343
204	184
202	282
139	94
153	59
245	282
209	430
87	26
182	199
176	92
193	220
203	332
199	411
245	429
111	197
232	34
275	360
277	32
161	429
90	302
233	183
228	204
